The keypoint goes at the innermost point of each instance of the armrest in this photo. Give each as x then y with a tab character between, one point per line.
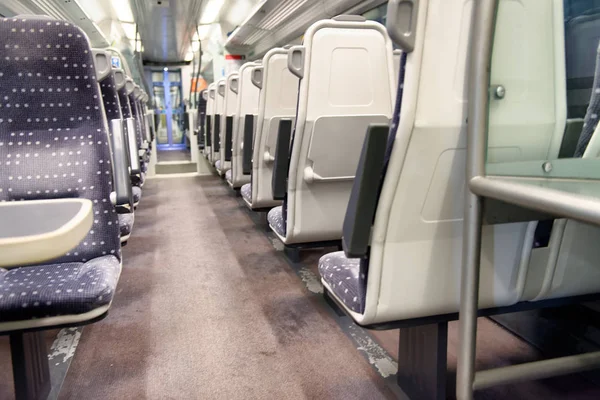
228	137
217	133
120	159
281	163
361	208
35	231
208	130
134	159
310	176
247	144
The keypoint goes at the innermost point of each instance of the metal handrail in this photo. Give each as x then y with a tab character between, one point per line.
547	197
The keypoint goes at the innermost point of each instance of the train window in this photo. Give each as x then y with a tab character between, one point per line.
544	98
378	14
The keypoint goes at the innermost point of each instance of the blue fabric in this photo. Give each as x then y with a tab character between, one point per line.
135	111
246	191
344	277
110	98
125	223
228	175
58	289
348	277
275	218
590	122
53	137
136	192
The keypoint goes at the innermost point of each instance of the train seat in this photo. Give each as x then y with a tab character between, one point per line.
63	152
582	32
246	108
209	120
277	101
122	197
346	70
402	230
138	167
122	82
228	122
216	129
585	146
402	234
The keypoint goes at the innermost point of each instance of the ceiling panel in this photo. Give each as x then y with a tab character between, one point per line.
166	27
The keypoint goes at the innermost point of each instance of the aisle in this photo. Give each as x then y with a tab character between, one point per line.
207	309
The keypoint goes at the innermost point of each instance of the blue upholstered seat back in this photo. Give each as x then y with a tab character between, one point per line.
53	134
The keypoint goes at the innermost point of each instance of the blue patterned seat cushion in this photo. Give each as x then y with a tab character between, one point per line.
218	165
246	191
57	289
275	218
136	191
228	175
344	277
125	223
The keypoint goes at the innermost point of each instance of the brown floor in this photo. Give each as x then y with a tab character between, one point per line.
207	309
173	155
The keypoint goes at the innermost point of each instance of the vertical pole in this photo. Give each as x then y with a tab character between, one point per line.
482	33
169	107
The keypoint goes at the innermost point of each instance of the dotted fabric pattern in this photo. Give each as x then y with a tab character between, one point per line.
590	121
137	194
110	98
246	191
135	110
57	289
125	223
345	279
124	102
53	134
275	218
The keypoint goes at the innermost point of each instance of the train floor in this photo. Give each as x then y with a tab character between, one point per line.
181	155
209	307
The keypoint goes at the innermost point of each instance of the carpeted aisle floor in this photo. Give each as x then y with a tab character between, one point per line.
207	309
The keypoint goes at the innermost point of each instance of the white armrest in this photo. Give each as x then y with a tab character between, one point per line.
35	231
268	157
311	176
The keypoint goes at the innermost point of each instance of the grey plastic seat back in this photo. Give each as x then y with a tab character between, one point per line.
348	79
53	133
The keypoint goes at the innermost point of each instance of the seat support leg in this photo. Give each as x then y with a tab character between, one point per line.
30	366
422	361
292	253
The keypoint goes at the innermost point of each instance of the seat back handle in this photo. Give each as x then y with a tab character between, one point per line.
356	231
281	162
247	144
